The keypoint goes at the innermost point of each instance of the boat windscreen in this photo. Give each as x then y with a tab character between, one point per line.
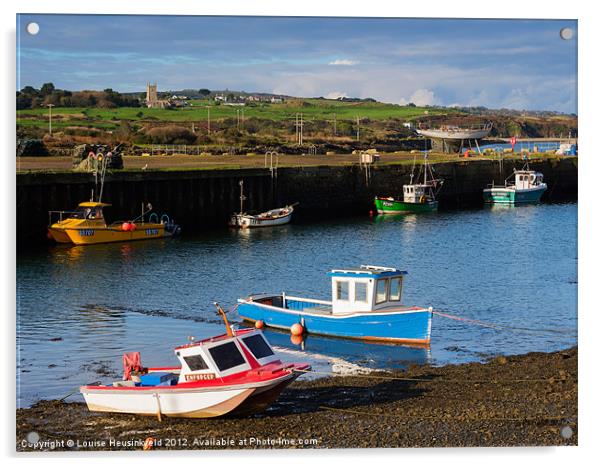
226	356
258	346
196	362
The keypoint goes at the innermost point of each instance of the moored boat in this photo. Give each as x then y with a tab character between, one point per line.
366	304
527	187
234	373
87	225
270	218
417	197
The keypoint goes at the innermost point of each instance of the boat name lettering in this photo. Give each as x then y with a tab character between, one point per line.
191	377
86	232
152	232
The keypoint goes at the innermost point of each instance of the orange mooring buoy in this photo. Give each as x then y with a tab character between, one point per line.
259	324
297	329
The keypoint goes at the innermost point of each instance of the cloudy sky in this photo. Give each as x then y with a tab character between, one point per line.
520	64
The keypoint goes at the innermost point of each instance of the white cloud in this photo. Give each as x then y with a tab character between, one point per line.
336	95
344	62
420	97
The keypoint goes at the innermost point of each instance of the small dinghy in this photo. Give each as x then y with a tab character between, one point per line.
235	373
271	218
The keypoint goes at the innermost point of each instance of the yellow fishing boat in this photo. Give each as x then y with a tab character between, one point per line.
87	225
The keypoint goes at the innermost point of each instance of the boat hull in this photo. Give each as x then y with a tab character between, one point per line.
394	206
509	195
173	403
406	327
254	221
98	235
187	402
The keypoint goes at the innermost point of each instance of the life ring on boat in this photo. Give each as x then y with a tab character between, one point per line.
154	217
165	218
422	199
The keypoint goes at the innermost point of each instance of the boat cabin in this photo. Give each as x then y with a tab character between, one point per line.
89	211
527	179
364	289
224	355
415	193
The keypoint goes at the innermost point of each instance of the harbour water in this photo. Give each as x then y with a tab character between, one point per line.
80	308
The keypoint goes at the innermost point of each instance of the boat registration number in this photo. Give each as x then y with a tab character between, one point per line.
387	204
86	232
152	232
191	377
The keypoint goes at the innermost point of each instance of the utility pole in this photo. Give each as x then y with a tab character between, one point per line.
237	119
208	121
299	128
50	118
358	127
335	124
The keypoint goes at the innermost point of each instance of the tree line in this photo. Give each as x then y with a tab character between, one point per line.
30	97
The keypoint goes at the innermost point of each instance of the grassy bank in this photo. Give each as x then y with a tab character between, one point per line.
197	111
508	401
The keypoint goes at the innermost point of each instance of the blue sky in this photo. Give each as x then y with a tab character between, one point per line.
521	64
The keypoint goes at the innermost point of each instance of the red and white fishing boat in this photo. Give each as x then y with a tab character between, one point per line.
235	373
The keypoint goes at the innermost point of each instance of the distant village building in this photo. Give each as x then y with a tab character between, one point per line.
152	100
276	100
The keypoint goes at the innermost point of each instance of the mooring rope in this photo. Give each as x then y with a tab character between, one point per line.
419	379
496	326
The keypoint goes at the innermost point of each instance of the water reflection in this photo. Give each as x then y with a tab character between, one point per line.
367	354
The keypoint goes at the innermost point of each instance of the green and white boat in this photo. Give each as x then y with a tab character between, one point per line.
527	187
417	197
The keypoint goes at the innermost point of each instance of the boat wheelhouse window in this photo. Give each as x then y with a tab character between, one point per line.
258	346
80	212
395	289
343	291
226	356
196	362
381	291
361	292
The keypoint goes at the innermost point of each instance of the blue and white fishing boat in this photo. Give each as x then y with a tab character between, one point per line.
366	304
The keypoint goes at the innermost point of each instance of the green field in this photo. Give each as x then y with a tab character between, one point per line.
312	109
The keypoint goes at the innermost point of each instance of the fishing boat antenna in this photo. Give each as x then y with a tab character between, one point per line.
223	314
103	170
242	196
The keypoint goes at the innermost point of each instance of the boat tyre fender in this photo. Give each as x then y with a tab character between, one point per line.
153	218
422	199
